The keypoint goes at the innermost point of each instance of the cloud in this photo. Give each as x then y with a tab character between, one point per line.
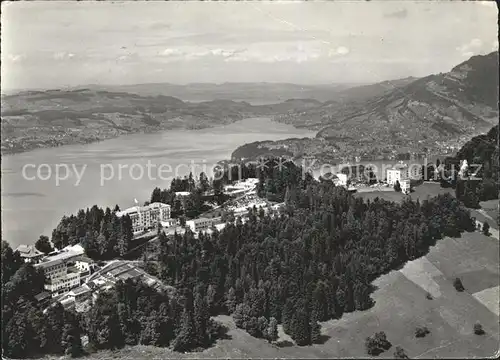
400	14
131	57
16	57
264	57
160	26
473	47
172	52
490	3
494	46
194	53
341	50
63	55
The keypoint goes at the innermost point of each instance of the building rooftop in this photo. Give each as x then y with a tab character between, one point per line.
119	269
156	205
62	256
84	259
28	251
182	193
42	296
48	263
128	211
136	209
76	249
73	269
80	290
205	219
130	274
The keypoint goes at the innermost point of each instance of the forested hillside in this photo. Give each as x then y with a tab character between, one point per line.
314	261
481	154
432	114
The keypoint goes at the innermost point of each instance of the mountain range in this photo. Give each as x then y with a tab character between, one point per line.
255	93
437	113
411	114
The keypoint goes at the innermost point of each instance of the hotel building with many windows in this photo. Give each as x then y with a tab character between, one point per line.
146	217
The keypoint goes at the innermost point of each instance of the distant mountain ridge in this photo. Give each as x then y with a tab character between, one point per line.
34	119
370	120
251	92
437	113
459	102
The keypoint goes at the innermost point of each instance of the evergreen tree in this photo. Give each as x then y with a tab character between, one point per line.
43	244
400	353
272	330
104	324
457	283
262	325
478	329
300	328
17	340
201	318
150	334
287	316
231	300
486	229
54	323
11	262
397	186
186	339
166	326
315	329
71	342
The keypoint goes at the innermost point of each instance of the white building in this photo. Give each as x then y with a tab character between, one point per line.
146	217
182	193
463	168
62	284
169	223
340	179
202	224
241	186
65	269
400	172
395	175
405	186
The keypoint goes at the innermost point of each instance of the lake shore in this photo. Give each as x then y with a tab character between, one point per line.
32	207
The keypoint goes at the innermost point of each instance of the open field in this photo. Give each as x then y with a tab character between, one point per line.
421	192
400	306
487	213
490	207
386	195
428	190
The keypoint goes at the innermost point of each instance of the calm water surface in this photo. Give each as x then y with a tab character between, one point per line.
34	207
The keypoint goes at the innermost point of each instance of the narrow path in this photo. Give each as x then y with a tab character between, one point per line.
493	232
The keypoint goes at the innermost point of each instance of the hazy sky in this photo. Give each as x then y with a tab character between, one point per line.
56	44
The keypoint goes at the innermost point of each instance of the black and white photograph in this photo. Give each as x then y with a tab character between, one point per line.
250	179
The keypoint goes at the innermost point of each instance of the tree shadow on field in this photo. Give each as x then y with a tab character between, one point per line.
323	339
284	343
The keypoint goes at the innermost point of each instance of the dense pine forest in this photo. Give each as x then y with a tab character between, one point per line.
26	330
313	261
102	234
131	313
480	150
105	236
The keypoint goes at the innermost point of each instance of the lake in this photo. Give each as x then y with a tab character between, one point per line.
109	172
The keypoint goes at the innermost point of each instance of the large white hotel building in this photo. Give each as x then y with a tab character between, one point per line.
147	217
